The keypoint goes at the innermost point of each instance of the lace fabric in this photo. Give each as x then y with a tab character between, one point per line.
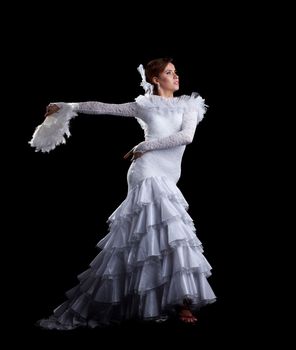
183	137
194	109
53	130
93	107
151	258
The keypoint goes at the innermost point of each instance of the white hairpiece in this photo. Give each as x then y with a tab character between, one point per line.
146	86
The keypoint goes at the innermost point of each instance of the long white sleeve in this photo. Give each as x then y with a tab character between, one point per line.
185	136
123	109
52	131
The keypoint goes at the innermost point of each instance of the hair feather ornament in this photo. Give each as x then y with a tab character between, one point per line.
146	86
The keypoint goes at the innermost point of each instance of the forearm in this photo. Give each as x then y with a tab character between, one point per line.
182	137
174	140
51	132
93	107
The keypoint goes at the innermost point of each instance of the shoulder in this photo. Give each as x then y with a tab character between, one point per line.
185	102
194	102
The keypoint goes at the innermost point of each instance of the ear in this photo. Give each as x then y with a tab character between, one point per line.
155	80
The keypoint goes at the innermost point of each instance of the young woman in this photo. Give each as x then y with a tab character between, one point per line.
151	264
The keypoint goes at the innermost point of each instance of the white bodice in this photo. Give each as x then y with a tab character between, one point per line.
167	122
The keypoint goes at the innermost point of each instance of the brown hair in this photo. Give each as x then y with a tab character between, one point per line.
154	68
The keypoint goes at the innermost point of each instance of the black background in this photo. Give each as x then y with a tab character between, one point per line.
60	201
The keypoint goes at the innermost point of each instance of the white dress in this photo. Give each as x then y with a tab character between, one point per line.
151	259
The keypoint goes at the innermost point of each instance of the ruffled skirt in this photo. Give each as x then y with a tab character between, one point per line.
150	260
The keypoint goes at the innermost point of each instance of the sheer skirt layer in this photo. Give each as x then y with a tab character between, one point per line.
150	260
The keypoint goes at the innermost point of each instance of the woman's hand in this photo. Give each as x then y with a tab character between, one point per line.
50	109
134	155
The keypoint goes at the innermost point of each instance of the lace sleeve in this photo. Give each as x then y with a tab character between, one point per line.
123	109
51	132
185	136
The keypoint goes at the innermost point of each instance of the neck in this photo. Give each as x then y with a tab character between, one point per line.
167	94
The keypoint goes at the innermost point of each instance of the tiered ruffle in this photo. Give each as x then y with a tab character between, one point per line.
150	261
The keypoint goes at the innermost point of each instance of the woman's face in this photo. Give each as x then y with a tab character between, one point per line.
168	79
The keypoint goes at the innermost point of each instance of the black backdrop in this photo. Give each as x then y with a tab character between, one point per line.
63	199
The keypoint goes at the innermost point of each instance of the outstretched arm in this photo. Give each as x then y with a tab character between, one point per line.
123	109
58	115
94	107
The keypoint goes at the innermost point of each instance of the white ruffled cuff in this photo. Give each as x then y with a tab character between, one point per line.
51	132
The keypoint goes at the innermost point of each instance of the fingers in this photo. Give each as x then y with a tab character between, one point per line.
128	154
137	155
50	109
134	155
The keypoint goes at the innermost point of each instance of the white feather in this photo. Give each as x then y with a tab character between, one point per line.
51	132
